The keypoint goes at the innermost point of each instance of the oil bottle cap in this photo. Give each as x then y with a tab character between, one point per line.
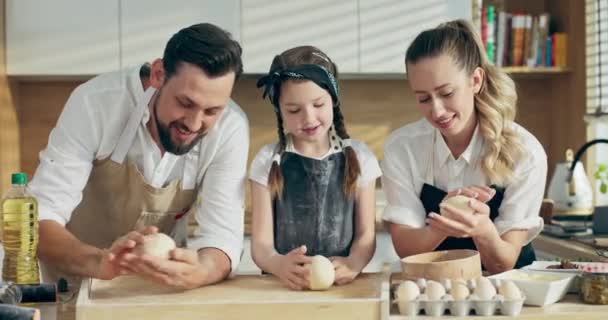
19	178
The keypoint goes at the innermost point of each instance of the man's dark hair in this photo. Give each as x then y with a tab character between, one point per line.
205	45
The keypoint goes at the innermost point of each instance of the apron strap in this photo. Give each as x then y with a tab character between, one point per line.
430	166
128	134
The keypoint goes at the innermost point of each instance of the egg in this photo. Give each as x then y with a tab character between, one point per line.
509	290
459	203
434	290
407	291
484	289
459	291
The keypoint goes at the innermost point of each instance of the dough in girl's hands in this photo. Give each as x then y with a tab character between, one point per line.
157	245
459	203
322	273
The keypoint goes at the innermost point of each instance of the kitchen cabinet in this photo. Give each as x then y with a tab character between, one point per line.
387	27
270	27
61	37
147	25
89	37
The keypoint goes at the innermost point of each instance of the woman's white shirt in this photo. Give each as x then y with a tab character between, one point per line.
409	151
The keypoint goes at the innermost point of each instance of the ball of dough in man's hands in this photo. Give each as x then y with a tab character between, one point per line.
157	245
459	203
322	273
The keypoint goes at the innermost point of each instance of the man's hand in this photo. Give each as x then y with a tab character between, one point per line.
183	270
111	263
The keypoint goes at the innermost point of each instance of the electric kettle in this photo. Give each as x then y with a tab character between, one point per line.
573	197
570	187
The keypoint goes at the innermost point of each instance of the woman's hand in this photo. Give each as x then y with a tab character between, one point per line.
481	193
454	223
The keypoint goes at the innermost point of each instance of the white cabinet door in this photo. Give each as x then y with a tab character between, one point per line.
147	25
271	27
61	37
389	26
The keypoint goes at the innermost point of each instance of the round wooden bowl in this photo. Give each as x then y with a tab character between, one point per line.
438	265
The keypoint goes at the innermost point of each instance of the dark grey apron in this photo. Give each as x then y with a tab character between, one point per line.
313	210
432	196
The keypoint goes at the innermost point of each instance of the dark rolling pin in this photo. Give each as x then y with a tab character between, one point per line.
11	312
44	292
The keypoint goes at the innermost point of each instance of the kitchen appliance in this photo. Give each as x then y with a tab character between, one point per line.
570	189
572	193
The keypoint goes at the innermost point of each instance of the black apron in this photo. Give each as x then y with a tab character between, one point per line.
313	209
432	196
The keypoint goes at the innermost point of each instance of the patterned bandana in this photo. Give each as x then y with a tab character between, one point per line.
315	73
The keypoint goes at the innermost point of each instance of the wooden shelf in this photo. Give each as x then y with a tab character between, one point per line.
535	71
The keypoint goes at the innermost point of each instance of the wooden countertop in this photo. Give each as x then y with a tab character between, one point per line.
569	308
566	248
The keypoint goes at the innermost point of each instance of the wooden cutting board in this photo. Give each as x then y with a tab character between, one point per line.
242	297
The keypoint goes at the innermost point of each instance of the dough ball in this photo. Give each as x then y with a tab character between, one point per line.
157	245
459	202
322	273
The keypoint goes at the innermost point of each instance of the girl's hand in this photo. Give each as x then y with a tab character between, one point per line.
462	225
293	269
346	272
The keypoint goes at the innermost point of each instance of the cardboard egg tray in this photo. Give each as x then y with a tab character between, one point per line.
435	308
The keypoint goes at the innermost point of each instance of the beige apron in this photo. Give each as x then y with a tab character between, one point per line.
117	199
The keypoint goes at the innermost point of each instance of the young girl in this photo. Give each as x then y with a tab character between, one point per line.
312	191
466	143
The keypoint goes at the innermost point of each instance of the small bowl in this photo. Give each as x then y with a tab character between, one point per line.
440	265
539	288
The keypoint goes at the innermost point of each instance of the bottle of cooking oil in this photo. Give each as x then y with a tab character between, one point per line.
20	233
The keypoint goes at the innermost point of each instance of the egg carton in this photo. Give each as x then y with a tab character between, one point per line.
459	308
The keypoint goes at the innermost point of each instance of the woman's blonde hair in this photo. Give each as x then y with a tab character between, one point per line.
496	101
311	55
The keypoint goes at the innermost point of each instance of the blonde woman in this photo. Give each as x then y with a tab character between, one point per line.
467	144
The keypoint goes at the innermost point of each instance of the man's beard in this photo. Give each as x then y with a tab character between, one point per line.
165	135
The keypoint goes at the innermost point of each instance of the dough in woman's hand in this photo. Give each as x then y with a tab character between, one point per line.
322	273
157	245
460	203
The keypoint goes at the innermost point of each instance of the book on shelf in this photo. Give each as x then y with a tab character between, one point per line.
519	39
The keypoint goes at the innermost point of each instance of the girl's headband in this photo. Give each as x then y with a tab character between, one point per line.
315	73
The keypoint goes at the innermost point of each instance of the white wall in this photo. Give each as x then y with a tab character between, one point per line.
601	154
